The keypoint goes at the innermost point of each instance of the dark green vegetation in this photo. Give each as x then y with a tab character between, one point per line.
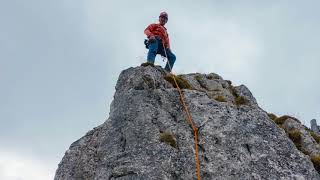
295	136
220	98
315	137
182	83
316	162
210	76
272	116
198	77
282	119
240	100
168	138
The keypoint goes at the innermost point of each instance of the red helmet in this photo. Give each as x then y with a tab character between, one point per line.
164	14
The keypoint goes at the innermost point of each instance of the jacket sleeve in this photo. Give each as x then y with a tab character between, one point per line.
148	30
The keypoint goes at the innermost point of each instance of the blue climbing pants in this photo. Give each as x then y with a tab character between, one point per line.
155	48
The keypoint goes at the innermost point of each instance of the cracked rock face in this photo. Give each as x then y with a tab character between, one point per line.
236	140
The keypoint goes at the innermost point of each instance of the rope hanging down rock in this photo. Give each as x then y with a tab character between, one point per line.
189	118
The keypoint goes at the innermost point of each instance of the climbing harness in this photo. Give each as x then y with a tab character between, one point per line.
189	117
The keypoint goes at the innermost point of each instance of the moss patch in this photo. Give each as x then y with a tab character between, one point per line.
295	136
210	76
241	100
315	137
316	162
182	83
272	116
220	98
198	77
168	138
281	120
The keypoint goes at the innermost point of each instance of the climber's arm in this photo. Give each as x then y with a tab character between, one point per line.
148	31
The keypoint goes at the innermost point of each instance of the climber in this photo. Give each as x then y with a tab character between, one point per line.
158	38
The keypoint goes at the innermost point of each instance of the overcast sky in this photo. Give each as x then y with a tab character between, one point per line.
60	60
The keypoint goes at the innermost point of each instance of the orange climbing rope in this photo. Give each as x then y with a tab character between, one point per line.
189	118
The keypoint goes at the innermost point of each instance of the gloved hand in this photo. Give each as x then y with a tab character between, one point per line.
152	39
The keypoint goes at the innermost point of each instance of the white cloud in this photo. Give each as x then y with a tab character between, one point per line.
15	166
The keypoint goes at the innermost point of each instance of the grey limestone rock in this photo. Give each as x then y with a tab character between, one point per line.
314	126
235	141
308	143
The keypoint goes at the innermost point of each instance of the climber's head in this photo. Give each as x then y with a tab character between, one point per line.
163	18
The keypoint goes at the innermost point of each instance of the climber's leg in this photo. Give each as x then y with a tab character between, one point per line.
171	60
153	48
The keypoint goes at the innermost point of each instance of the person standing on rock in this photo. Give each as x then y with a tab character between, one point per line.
158	42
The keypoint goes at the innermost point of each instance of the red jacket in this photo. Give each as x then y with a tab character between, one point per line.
158	30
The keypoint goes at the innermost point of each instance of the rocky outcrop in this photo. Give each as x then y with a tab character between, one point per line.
147	136
306	143
315	127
